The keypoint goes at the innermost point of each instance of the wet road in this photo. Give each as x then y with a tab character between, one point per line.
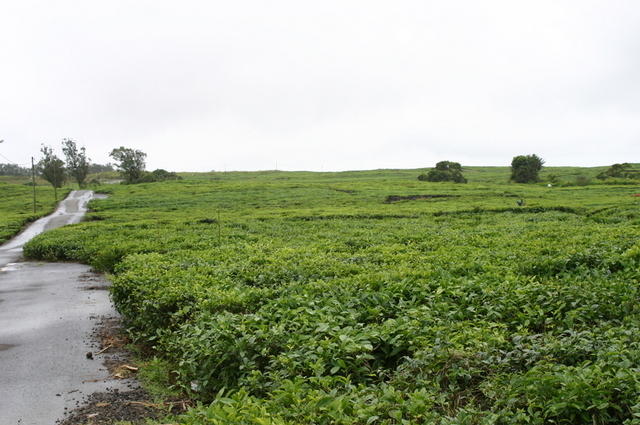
47	313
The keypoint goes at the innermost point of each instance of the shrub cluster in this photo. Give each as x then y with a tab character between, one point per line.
444	171
369	316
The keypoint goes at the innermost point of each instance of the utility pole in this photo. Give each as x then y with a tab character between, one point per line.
33	183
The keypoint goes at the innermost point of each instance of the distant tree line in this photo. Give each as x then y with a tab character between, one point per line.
77	166
100	168
14	170
18	171
621	171
131	164
524	169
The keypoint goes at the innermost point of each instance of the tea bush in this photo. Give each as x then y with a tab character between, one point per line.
301	298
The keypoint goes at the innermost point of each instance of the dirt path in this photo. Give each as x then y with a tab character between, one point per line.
47	313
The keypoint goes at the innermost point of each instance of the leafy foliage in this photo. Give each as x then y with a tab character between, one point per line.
51	168
158	175
130	163
77	161
14	170
305	298
444	171
624	170
16	208
525	168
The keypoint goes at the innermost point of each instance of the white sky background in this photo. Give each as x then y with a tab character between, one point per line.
323	85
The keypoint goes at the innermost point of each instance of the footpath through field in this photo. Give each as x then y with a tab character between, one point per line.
47	313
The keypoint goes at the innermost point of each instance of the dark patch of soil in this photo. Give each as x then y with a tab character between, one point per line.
4	347
134	404
353	217
96	287
398	198
111	341
108	407
94	281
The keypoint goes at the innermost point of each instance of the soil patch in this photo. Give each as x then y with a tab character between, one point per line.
399	198
133	404
110	343
93	281
109	407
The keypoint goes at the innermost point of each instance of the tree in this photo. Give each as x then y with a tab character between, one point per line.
77	161
525	168
130	163
623	171
158	175
14	170
51	168
444	171
100	168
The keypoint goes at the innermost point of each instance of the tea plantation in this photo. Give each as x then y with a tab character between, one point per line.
374	298
16	206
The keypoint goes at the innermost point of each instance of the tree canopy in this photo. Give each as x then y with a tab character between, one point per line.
624	171
14	170
77	161
51	168
130	163
525	168
445	171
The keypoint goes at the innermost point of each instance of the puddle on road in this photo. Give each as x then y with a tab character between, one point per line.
10	267
32	288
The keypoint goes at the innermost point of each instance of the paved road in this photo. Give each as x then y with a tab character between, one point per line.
46	317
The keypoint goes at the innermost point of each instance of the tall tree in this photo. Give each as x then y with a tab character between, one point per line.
77	161
525	168
130	163
51	168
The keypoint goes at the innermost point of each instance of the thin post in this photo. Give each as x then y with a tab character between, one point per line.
33	183
219	231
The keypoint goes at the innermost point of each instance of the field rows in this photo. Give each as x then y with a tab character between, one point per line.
299	298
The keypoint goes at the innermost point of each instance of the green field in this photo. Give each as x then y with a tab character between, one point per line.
328	298
16	206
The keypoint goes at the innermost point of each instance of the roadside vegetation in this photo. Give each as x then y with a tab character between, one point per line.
16	208
374	298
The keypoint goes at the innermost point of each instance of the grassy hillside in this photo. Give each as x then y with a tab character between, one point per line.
373	298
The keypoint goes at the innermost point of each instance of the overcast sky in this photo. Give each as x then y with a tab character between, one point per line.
323	85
